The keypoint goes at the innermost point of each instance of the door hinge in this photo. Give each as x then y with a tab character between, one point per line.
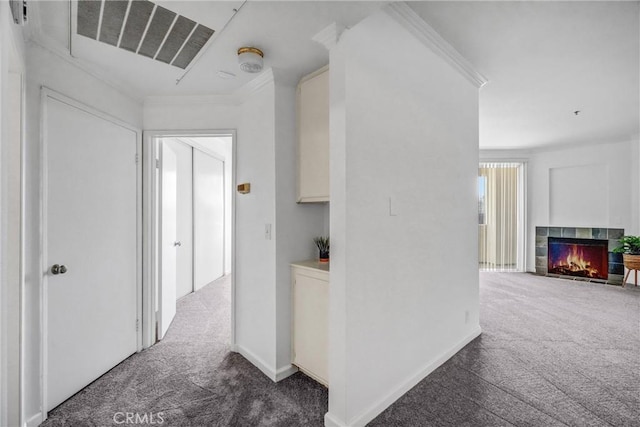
137	325
137	158
157	163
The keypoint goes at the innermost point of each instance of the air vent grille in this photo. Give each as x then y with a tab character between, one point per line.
143	27
19	11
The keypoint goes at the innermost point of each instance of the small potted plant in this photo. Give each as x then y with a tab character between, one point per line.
630	250
323	247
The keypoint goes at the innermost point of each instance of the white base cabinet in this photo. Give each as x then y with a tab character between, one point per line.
311	319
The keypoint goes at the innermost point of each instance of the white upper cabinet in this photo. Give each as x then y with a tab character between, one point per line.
313	137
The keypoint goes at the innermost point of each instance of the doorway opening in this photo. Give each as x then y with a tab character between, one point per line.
190	232
501	216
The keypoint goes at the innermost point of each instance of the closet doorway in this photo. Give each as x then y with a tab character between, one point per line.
192	225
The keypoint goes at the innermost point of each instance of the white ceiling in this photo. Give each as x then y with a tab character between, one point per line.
544	60
283	30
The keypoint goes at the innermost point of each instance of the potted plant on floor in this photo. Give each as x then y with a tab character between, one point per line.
323	247
630	250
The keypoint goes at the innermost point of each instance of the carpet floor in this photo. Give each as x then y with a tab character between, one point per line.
553	353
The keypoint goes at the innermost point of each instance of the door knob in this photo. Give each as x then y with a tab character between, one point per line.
177	243
58	269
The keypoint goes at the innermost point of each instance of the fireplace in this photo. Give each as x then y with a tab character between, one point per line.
579	253
588	258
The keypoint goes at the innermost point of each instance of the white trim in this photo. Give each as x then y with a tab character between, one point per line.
23	221
331	421
273	375
329	36
34	421
409	19
285	372
247	90
191	100
150	153
238	97
45	94
410	382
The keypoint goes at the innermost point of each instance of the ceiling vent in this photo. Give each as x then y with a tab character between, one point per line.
143	27
18	11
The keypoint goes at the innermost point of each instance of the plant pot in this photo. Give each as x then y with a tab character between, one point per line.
631	262
324	257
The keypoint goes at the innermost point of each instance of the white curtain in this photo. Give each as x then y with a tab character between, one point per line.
499	193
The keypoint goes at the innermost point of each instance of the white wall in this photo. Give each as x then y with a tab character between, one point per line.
208	218
594	185
46	69
255	254
11	69
223	148
176	113
404	275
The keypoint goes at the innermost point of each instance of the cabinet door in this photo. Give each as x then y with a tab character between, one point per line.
310	325
313	135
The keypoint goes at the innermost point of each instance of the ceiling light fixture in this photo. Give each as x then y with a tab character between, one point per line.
250	59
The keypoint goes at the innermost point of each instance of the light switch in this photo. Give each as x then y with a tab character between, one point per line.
267	231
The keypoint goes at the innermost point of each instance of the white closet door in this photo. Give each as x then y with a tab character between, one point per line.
90	249
184	215
208	217
168	240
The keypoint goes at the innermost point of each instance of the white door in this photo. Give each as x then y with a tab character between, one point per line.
168	239
208	218
184	216
90	232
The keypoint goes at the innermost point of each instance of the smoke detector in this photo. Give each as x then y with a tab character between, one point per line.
250	59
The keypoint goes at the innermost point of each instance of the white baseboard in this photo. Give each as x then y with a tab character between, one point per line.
274	375
285	372
330	421
375	410
34	421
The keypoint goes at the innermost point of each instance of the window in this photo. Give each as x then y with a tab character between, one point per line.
482	200
500	216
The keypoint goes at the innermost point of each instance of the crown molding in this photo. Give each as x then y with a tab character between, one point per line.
409	19
329	36
161	100
238	97
251	87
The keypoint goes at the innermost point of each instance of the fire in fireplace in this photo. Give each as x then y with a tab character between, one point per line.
587	258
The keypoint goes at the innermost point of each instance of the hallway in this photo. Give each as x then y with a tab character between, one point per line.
191	378
553	352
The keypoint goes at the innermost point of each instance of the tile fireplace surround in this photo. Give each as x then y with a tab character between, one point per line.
610	234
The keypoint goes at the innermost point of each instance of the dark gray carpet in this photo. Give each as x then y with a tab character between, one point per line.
553	353
193	379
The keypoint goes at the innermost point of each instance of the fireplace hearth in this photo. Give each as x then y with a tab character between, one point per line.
579	253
